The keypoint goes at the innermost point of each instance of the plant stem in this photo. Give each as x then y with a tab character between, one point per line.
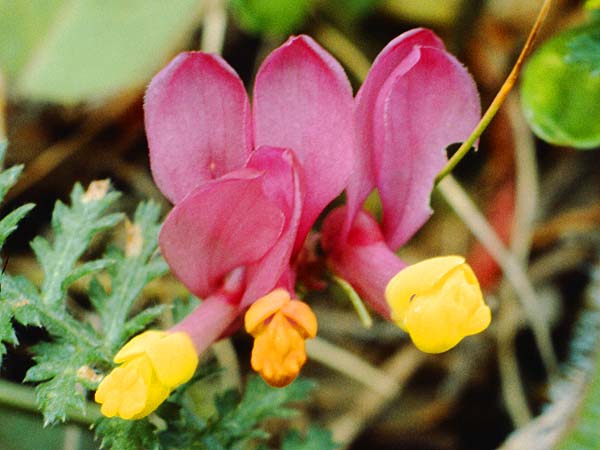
357	303
500	96
23	397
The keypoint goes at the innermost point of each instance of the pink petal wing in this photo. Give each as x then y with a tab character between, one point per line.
303	101
283	184
419	112
392	56
219	226
197	119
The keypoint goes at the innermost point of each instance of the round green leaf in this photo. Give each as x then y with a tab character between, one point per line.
560	90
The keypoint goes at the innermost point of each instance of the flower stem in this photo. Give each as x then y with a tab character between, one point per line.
359	306
500	96
23	397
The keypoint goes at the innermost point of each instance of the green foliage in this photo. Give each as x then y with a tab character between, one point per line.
8	224
350	11
66	367
119	434
561	88
72	51
236	421
70	364
129	274
273	17
315	438
583	432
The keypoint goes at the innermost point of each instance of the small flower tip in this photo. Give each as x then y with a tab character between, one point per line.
152	365
279	326
438	302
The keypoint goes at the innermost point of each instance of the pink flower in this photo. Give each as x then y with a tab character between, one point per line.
247	182
416	100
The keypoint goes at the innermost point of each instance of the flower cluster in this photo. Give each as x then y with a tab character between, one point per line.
248	182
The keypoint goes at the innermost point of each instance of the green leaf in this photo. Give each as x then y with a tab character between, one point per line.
259	402
236	421
9	302
119	434
132	270
84	269
9	223
274	17
582	432
8	178
7	333
77	50
560	90
350	11
74	227
142	319
315	438
57	369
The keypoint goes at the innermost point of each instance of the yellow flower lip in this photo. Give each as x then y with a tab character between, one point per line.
438	302
152	365
280	326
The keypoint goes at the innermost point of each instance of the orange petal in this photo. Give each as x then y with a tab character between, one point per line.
303	317
264	308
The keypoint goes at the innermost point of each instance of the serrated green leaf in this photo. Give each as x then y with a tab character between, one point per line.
9	223
7	333
72	51
259	402
316	438
132	271
560	90
119	434
142	319
74	227
21	295
87	268
57	369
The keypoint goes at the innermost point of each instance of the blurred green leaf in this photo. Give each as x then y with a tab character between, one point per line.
350	11
273	17
561	89
315	438
592	4
77	50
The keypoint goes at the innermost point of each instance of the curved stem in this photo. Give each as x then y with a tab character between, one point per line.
500	96
23	398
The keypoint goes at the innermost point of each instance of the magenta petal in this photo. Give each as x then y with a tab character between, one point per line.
197	121
219	226
303	101
418	114
363	177
282	182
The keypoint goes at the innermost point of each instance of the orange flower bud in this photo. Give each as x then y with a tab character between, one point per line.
279	326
